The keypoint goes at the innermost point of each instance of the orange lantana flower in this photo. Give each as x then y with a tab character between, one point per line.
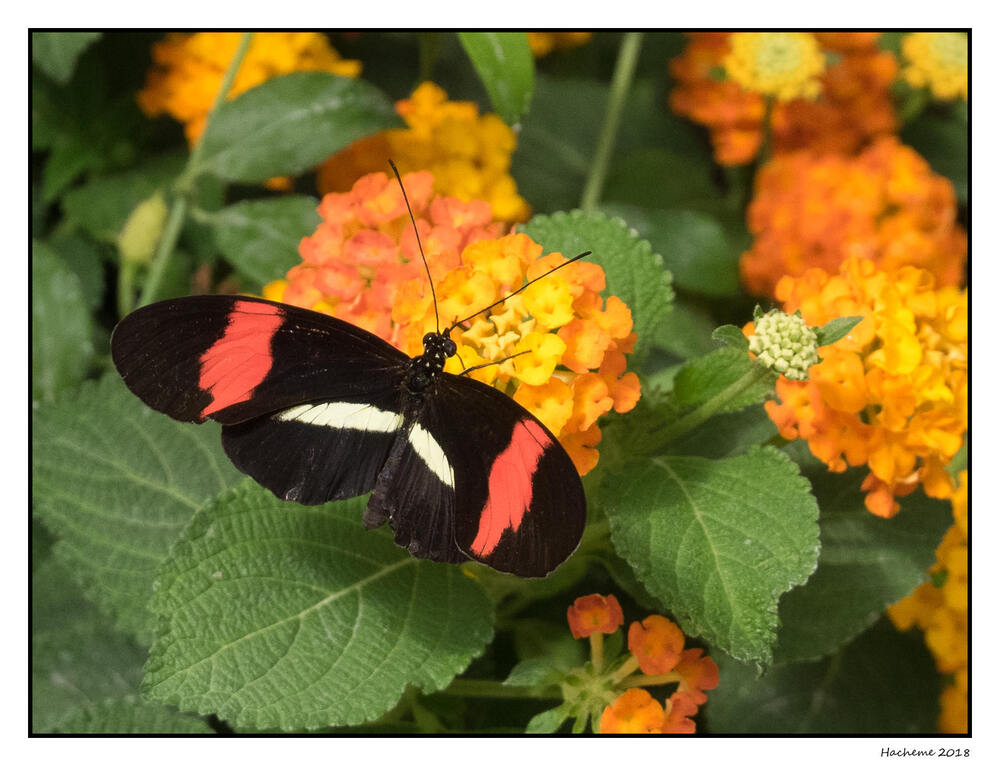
559	347
634	712
594	614
893	393
656	643
853	106
886	204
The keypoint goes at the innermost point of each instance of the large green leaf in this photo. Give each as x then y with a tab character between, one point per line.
634	272
61	327
883	682
506	67
260	238
280	616
77	660
116	482
866	564
290	124
56	52
717	541
131	715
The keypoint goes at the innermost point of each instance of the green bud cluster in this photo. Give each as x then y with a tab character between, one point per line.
785	344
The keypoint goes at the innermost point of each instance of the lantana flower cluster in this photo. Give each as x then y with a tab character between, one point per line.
188	69
938	61
656	651
893	393
885	204
940	608
567	343
851	105
468	153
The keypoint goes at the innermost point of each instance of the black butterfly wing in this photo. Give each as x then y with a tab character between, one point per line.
234	358
515	500
310	404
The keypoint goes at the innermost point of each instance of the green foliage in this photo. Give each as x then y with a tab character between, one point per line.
878	561
260	238
290	124
718	559
117	482
506	67
56	52
172	596
633	271
333	624
835	329
61	346
881	682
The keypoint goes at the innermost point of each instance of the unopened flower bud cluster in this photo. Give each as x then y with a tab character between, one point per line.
784	343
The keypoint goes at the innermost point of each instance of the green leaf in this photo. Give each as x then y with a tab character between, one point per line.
277	615
709	376
686	331
534	671
726	435
655	177
131	715
506	67
76	659
884	682
835	329
55	53
102	205
634	273
732	336
547	722
941	137
866	564
61	331
717	541
83	256
117	482
260	238
288	125
694	248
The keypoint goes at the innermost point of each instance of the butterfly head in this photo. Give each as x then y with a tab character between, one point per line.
425	368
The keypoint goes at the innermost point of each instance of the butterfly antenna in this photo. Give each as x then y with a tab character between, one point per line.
437	322
522	287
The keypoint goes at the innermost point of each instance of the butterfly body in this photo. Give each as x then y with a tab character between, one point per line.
316	409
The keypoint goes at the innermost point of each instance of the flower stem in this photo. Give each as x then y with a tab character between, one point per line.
185	183
628	55
714	405
597	651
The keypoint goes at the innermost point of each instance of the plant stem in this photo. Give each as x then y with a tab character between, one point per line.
714	405
621	82
469	687
185	183
126	278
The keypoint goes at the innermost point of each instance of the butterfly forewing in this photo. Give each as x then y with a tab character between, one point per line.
233	358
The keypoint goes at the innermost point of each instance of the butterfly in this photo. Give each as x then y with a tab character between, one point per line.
316	409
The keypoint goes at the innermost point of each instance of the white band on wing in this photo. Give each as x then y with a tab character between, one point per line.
365	417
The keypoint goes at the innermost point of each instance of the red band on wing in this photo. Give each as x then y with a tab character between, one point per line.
510	485
233	366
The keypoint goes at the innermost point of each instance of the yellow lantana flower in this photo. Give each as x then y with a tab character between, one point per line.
558	348
785	65
938	61
468	153
188	68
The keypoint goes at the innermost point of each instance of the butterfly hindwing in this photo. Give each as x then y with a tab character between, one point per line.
319	451
519	505
234	358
